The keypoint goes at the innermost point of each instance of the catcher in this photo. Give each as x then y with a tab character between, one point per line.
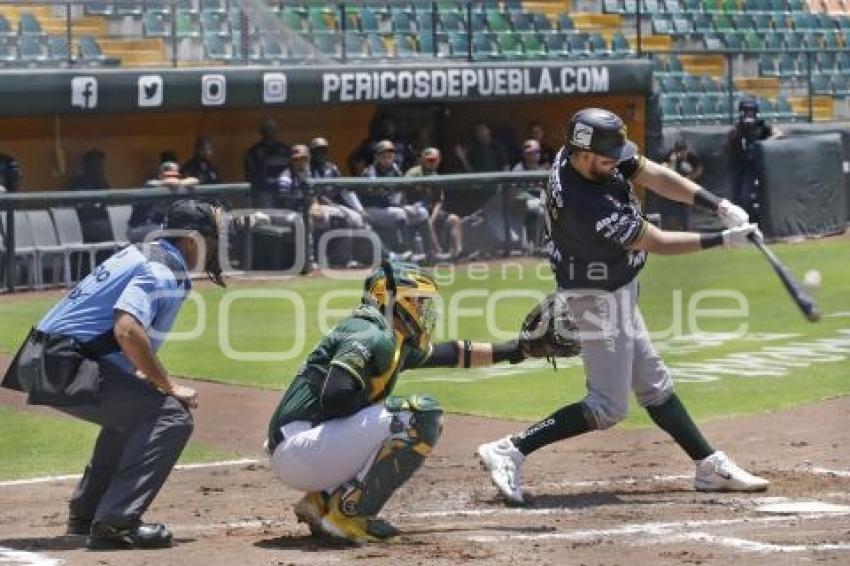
598	242
338	435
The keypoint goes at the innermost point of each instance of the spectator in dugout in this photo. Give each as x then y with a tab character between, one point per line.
445	228
264	163
529	204
389	209
683	160
535	131
325	214
94	219
149	216
200	165
382	128
11	177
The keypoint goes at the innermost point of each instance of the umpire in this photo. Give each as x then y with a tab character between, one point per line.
93	356
598	242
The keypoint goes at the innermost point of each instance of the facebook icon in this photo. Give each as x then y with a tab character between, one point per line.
84	92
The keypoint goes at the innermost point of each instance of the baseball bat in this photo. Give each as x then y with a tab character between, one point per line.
798	294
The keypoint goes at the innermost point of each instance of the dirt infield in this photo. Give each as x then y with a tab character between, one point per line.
613	497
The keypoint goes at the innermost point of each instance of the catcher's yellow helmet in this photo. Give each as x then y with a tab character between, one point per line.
407	292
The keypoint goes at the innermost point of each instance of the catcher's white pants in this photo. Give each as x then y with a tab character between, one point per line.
323	457
617	353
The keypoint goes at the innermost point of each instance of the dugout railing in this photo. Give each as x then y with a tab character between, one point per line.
238	196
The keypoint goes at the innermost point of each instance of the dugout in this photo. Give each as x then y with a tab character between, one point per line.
52	117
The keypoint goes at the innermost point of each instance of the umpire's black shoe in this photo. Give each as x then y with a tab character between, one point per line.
78	525
142	535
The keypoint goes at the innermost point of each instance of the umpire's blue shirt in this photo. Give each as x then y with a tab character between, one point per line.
128	281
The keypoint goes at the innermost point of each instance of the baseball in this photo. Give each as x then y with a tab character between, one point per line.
812	279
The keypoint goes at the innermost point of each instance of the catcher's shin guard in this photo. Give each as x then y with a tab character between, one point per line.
398	457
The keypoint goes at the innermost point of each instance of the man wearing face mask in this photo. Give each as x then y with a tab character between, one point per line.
598	240
93	356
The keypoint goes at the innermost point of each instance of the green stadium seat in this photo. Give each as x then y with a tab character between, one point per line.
743	22
731	6
723	23
497	21
753	41
292	19
713	6
534	48
186	25
214	23
510	45
734	41
323	19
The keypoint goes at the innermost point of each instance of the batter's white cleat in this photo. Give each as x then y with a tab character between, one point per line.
504	462
719	473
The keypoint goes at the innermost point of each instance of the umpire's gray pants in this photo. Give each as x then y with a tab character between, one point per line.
143	433
617	354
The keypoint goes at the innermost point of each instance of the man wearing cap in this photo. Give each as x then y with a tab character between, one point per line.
533	209
441	223
750	129
598	242
388	208
148	216
93	356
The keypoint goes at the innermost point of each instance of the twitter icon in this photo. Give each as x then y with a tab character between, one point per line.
150	91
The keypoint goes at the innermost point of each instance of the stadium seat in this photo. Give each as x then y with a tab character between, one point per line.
651	7
723	23
579	46
29	25
767	66
712	42
565	22
534	48
743	22
322	19
46	244
620	46
842	62
354	46
497	21
69	233
541	22
510	45
31	50
292	19
597	45
659	65
661	26
8	54
753	41
831	41
763	23
784	110
692	84
327	43
424	21
731	6
788	66
186	24
58	49
90	52
825	62
153	25
513	5
774	41
478	21
813	40
669	107
734	41
674	65
612	7
690	110
369	21
377	47
272	49
214	23
821	84
703	23
405	45
400	22
672	6
24	247
483	47
215	48
452	22
521	22
840	86
130	9
556	45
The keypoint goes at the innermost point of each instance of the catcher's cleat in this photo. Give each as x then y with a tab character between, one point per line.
504	462
719	473
357	529
310	510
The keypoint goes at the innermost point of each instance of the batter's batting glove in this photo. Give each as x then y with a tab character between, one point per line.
736	237
732	215
549	331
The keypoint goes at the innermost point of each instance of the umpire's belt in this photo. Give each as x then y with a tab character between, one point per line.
59	370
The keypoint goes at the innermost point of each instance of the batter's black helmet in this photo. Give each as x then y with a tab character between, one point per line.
748	110
599	131
194	215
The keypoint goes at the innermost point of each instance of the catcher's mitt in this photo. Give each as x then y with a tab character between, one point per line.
549	331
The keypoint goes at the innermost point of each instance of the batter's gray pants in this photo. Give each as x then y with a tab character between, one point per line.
617	354
143	433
